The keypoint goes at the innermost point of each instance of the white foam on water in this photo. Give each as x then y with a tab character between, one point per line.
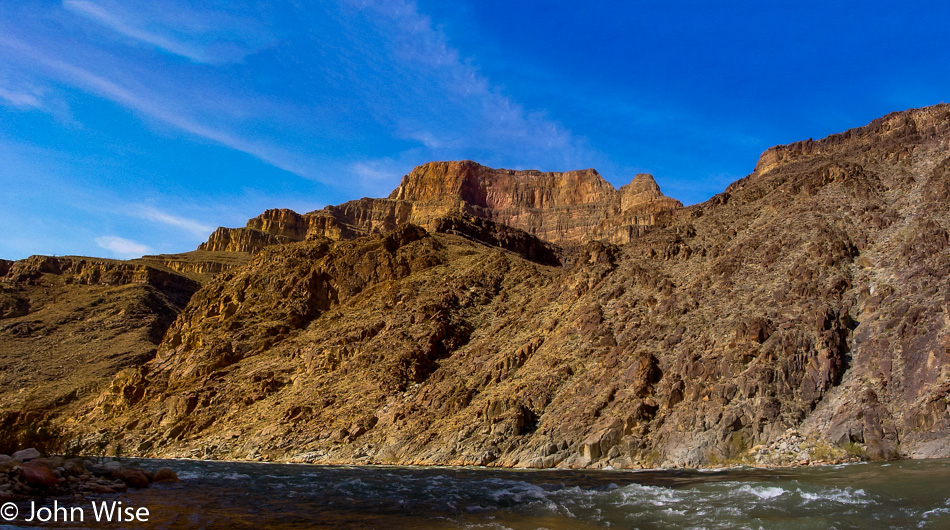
763	492
647	496
519	492
837	495
941	515
936	511
728	510
356	488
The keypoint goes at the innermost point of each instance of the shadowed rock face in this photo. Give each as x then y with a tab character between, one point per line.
801	314
561	208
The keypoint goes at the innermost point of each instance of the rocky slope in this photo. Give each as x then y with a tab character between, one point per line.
484	316
67	326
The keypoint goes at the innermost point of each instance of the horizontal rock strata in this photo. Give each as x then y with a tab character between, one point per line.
561	208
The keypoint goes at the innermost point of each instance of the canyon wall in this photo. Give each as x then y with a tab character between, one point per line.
565	209
521	318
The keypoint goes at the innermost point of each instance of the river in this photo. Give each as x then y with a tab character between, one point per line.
903	494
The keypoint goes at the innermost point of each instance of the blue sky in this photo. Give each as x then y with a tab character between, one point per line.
131	127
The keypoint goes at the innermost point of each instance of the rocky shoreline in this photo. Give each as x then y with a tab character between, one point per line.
773	458
790	454
29	473
793	449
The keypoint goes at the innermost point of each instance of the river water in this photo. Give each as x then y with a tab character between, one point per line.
905	494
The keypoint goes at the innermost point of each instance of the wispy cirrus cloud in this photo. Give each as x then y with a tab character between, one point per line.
152	106
20	99
381	174
122	247
191	226
207	35
419	89
457	109
26	95
116	22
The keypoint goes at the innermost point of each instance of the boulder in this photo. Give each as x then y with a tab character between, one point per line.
134	478
37	475
75	466
26	455
165	475
51	462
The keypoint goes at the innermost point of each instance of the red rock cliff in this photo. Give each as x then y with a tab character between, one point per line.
563	208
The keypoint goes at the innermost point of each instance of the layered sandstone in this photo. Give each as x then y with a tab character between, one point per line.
200	265
563	208
566	209
94	271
